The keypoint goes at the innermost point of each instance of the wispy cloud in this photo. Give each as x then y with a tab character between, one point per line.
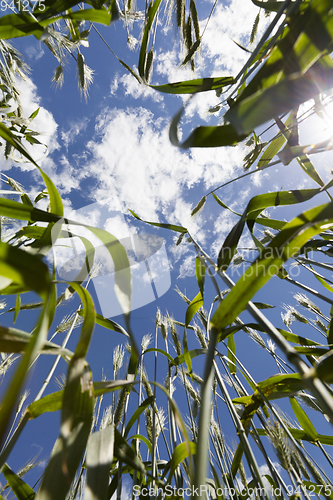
75	128
34	52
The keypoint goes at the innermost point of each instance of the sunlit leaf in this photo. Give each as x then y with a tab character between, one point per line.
231	354
303	420
98	463
286	244
13	340
152	11
207	137
172	227
292	74
324	369
194	86
21	490
180	453
199	206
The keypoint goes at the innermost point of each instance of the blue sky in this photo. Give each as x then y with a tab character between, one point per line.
114	146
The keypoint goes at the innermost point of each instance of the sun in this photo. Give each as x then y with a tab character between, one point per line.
315	120
327	116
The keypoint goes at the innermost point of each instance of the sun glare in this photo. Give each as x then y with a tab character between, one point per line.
327	119
316	123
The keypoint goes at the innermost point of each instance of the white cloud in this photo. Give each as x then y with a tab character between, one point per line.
223	224
218	54
131	163
167	65
187	267
75	128
258	177
34	52
227	24
130	158
114	85
134	89
44	122
134	160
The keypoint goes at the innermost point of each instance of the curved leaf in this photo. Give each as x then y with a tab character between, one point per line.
98	463
286	244
180	453
147	402
205	137
152	11
194	86
13	340
255	206
172	227
24	269
303	420
21	490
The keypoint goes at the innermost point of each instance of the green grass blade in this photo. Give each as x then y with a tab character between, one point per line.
24	269
274	6
37	341
207	137
53	402
194	86
231	354
297	339
324	369
286	244
152	11
144	440
108	323
17	307
21	490
299	434
193	308
147	402
303	420
319	489
92	15
272	149
16	210
172	227
277	99
77	413
98	463
229	246
180	453
13	340
122	269
193	353
220	202
161	351
124	453
255	206
13	26
55	199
